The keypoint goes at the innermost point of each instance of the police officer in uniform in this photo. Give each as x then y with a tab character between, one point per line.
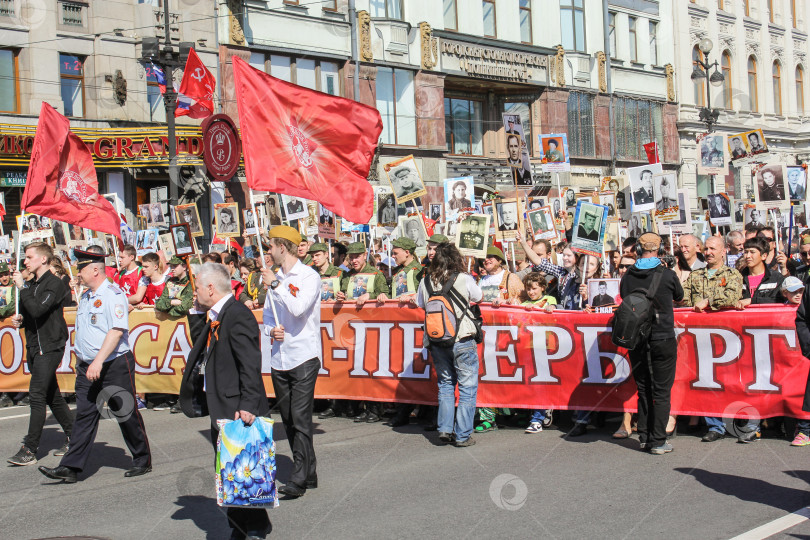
105	371
378	289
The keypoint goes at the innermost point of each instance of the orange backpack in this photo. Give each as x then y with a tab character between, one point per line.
441	324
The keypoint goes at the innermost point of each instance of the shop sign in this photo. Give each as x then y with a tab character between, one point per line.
12	178
222	147
490	62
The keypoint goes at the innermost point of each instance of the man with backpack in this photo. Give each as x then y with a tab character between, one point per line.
645	323
452	332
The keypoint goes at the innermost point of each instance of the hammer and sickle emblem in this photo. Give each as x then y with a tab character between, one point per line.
198	74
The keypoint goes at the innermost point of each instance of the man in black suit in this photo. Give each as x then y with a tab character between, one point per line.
223	375
644	195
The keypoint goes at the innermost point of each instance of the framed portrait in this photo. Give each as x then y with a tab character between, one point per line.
128	236
666	195
155	218
555	152
533	203
405	178
641	186
386	207
569	196
6	249
147	241
719	209
739	211
33	228
329	288
612	236
797	183
250	221
182	239
712	153
683	224
541	223
755	215
294	207
227	219
273	210
608	198
326	223
188	213
166	243
435	212
458	196
413	227
513	125
472	234
310	222
770	189
507	215
488	210
403	283
359	285
590	221
60	232
603	292
6	296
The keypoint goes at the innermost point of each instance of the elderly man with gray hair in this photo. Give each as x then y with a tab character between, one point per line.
223	375
691	247
734	247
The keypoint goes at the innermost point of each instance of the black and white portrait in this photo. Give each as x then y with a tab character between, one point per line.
603	292
797	183
414	228
756	216
181	237
641	186
458	195
386	209
156	217
405	179
712	150
472	234
771	186
294	207
187	213
666	188
507	215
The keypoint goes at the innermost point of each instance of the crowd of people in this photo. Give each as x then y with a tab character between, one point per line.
742	267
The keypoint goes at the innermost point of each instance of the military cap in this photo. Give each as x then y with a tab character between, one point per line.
356	247
320	246
493	251
88	257
439	239
286	232
175	260
405	243
4	268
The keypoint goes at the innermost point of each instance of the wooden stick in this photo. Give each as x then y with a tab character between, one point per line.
19	246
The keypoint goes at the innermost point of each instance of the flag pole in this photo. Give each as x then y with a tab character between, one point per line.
70	273
261	256
19	245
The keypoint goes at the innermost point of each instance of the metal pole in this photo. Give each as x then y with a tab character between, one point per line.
216	40
609	82
355	50
170	101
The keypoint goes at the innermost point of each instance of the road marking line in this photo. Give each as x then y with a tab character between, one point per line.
776	526
72	408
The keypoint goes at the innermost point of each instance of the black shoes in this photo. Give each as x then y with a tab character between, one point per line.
579	430
373	417
446	438
712	436
399	421
6	401
328	413
362	417
751	436
23	457
66	474
291	490
138	471
312	483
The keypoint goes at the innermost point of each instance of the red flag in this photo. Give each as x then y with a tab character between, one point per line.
653	155
2	211
305	143
62	182
196	92
230	242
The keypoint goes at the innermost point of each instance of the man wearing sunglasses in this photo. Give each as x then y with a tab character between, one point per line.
803	270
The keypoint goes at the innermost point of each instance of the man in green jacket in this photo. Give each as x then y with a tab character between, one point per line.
178	296
358	264
408	272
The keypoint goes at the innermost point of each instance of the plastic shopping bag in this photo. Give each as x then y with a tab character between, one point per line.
246	464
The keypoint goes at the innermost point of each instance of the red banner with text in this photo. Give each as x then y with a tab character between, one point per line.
730	364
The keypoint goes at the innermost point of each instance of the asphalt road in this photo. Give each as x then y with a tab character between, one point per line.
376	482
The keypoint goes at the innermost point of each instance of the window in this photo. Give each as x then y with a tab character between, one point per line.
389	9
752	83
7	8
450	15
572	23
747	7
71	14
638	122
581	136
526	21
71	72
464	126
329	5
653	43
395	101
700	88
725	66
307	72
490	29
612	33
632	22
157	107
523	110
777	88
800	89
9	90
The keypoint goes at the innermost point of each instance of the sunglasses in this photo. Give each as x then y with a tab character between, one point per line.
624	266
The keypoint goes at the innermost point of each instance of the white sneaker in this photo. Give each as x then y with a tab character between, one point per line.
534	427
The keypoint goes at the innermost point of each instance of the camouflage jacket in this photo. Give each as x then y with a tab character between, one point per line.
724	289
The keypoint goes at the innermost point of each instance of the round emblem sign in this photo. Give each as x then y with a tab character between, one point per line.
222	148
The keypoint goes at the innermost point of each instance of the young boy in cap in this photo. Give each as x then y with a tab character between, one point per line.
320	261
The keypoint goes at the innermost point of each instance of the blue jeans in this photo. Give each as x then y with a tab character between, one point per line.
804	426
457	365
582	417
538	416
719	425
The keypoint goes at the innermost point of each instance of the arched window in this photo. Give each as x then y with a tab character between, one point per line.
800	89
752	83
725	66
700	88
777	88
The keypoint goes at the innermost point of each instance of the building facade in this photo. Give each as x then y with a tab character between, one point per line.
83	59
761	48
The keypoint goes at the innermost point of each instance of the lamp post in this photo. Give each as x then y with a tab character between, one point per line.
699	74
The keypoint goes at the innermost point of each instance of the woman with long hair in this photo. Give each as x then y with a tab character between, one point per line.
456	365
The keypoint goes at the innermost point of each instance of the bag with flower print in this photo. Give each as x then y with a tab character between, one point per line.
246	464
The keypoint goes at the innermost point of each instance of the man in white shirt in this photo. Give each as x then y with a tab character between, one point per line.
292	319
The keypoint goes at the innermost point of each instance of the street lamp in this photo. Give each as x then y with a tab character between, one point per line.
699	73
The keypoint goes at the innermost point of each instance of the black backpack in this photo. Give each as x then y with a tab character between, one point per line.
634	317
